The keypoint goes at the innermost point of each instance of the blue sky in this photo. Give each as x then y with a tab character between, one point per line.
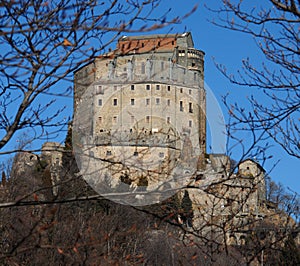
228	48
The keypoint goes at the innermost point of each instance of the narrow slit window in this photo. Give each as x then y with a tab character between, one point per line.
190	107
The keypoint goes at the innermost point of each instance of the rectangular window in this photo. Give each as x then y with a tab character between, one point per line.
162	65
147	101
181	106
115	102
100	119
157	87
168	119
157	100
148	87
132	87
147	119
115	119
190	92
99	102
132	101
168	102
190	123
181	90
169	88
99	89
195	76
190	107
115	88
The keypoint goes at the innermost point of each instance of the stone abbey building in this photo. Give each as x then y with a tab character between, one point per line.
147	97
142	110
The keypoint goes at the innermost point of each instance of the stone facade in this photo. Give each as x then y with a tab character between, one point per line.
148	75
52	153
147	104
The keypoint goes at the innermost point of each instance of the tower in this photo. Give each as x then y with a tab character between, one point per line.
142	103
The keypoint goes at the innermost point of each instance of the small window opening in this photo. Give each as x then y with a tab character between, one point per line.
181	106
99	90
190	107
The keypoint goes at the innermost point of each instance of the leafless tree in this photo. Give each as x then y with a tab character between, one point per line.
275	27
77	226
43	42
